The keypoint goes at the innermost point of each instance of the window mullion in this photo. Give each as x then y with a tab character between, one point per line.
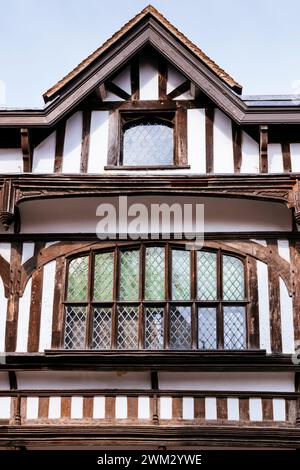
194	323
141	322
89	329
114	322
220	324
168	293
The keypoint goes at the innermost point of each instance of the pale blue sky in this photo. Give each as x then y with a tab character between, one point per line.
256	41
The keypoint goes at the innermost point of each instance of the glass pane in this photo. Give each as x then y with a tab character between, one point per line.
148	143
181	289
75	327
207	328
180	327
78	279
104	276
127	327
102	328
155	273
233	278
129	275
234	328
154	328
207	275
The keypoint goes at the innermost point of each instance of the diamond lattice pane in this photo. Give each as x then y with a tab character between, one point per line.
154	328
127	327
104	276
180	327
101	328
206	275
148	143
78	279
234	328
75	327
207	328
155	273
233	278
129	275
181	289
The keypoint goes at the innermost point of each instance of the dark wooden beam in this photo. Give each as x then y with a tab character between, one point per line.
252	308
57	305
35	304
162	78
274	301
263	149
85	144
181	137
113	138
27	150
209	138
286	155
237	147
113	88
101	91
185	86
135	78
59	146
13	300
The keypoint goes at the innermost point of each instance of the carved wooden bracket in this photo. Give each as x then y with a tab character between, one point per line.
8	204
26	150
294	201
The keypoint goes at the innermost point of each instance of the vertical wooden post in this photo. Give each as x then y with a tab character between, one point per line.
263	149
297	389
209	138
154	386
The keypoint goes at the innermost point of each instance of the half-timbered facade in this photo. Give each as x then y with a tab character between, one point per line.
138	342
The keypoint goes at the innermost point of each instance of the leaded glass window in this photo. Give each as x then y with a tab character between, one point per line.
146	296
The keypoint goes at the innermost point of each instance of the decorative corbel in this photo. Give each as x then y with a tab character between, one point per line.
8	204
26	150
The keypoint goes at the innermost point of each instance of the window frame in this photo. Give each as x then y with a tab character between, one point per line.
165	303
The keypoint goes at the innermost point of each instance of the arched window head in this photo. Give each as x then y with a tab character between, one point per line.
148	142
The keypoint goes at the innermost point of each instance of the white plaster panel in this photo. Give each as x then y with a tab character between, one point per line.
275	160
11	161
223	146
54	408
121	407
284	249
99	408
112	97
32	409
23	319
60	380
5	403
3	312
263	305
175	78
210	408
295	157
148	79
287	321
188	408
143	407
123	80
165	407
279	413
4	381
28	251
250	154
44	155
260	242
231	381
255	409
233	411
5	251
47	306
72	145
77	407
98	142
196	140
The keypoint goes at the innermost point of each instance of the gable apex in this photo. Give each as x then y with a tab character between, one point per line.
151	12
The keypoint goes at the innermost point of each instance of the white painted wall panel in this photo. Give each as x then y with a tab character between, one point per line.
275	160
44	155
3	312
279	413
47	306
175	78
148	79
5	403
234	381
233	411
260	242
196	140
98	142
263	304
123	80
210	408
121	407
76	407
5	251
11	161
188	408
54	407
166	407
287	321
72	146
99	408
255	409
32	411
28	250
112	97
23	319
223	147
295	157
250	154
143	407
4	381
284	249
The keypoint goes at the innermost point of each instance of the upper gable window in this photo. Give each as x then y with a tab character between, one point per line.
148	141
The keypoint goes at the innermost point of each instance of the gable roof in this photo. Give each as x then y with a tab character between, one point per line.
149	10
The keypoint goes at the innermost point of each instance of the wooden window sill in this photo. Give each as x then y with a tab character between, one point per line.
153	167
